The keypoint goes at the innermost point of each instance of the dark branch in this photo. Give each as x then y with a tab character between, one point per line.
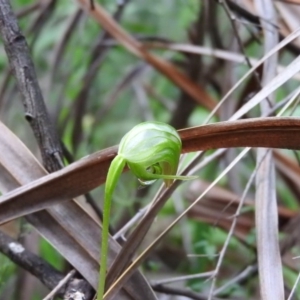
39	268
45	133
23	69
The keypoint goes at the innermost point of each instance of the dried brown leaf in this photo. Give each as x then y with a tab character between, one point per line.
256	132
66	226
89	172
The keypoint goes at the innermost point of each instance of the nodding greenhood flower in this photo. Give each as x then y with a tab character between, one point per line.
151	150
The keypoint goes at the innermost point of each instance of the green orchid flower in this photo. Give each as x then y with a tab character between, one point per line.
152	151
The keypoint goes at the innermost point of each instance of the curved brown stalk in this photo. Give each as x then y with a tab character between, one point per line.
90	172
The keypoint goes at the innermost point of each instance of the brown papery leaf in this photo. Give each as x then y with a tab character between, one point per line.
66	225
256	132
89	172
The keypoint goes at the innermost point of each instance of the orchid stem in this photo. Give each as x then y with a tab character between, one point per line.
115	170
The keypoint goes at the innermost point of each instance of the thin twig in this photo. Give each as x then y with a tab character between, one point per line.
230	233
180	292
183	278
240	43
294	287
249	270
140	214
61	283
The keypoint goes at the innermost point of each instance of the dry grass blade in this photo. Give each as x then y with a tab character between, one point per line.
89	172
66	226
266	211
283	43
195	91
217	53
275	83
271	281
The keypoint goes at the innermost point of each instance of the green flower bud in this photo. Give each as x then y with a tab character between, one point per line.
151	150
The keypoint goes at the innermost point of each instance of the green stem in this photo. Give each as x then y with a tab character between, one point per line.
114	172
